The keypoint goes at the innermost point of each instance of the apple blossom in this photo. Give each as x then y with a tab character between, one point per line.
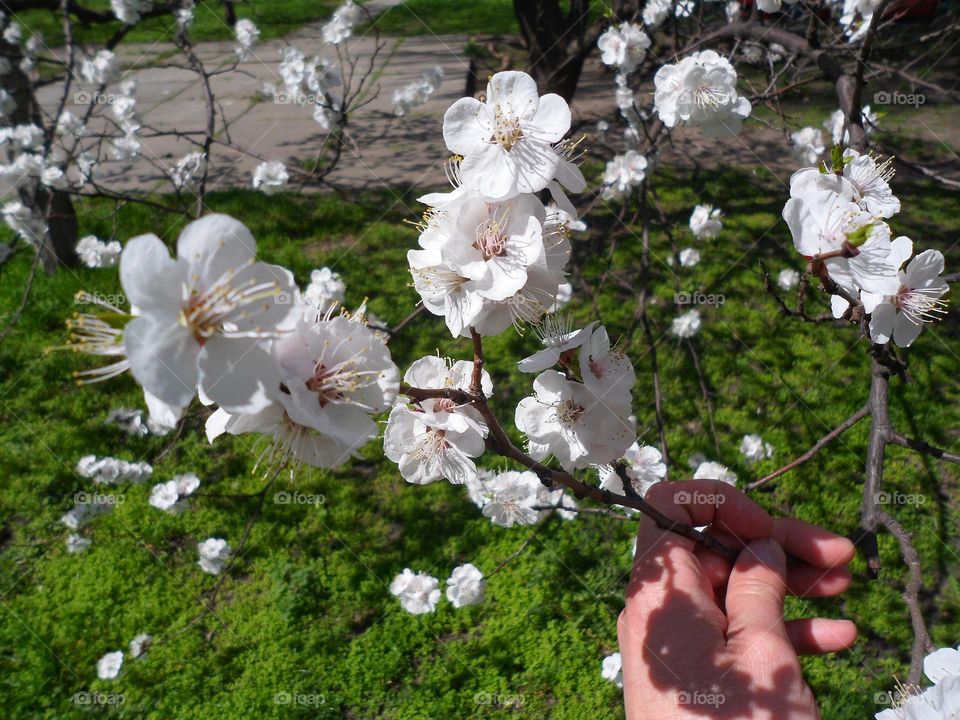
623	173
788	279
623	46
436	438
705	223
689	257
96	254
418	92
270	177
129	11
808	145
512	498
419	593
202	314
108	666
465	586
76	544
710	470
341	23
248	35
686	325
701	90
507	141
644	466
918	300
754	449
565	419
325	291
214	553
140	644
612	669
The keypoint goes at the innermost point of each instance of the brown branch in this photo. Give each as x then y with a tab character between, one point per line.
921	446
911	594
817	447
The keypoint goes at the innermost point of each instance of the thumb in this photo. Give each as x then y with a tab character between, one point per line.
755	592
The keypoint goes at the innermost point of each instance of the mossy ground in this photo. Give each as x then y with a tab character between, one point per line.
306	613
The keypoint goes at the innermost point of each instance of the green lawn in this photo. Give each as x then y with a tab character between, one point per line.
306	611
275	18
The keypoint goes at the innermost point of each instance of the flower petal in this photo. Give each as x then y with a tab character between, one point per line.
163	359
151	279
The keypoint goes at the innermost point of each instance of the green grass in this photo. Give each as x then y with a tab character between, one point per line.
307	610
275	18
439	17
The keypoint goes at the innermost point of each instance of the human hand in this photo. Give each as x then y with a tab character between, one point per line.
700	637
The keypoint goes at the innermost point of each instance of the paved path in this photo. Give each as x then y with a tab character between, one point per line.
410	151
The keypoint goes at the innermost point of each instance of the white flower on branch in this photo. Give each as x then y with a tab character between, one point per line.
101	69
710	470
689	257
808	145
686	325
169	496
112	471
566	419
918	301
701	90
705	222
248	35
940	700
623	173
203	314
788	279
436	438
214	553
623	46
140	644
418	92
129	11
644	466
341	23
325	291
77	544
507	142
772	6
419	593
754	449
97	254
834	125
270	177
188	170
465	586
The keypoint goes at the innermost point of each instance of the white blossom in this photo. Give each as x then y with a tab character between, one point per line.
465	586
419	593
101	69
623	46
248	35
108	667
417	92
140	644
129	11
326	290
701	90
705	222
689	257
270	177
644	466
612	669
686	325
97	254
623	173
214	553
76	544
754	449
788	279
709	470
808	145
188	170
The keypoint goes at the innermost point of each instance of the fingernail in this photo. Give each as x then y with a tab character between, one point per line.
768	552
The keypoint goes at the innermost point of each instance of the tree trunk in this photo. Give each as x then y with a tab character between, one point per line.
231	12
557	44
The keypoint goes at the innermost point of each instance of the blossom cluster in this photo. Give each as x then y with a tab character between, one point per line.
837	217
701	91
419	592
417	92
489	253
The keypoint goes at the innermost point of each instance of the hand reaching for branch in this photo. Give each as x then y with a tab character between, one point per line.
701	638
